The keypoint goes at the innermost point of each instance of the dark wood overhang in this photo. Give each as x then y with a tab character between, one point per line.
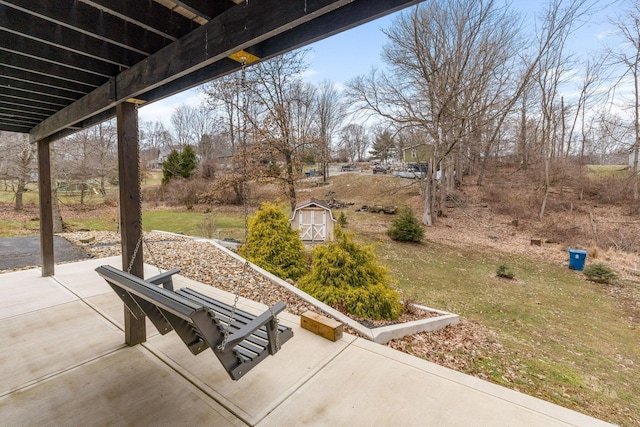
66	64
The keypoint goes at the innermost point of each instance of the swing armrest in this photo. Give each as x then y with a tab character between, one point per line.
165	279
237	336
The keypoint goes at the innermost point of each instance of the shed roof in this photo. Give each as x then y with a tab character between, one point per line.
310	203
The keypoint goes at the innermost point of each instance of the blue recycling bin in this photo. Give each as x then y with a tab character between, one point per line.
577	258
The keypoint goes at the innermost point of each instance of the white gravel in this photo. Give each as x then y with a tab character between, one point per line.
200	261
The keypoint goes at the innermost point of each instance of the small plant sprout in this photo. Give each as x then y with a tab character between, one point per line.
504	272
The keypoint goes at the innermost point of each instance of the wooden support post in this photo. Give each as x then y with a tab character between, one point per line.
46	213
130	209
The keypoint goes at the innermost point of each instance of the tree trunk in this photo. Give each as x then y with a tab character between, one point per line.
19	192
484	164
58	224
82	191
427	216
636	144
290	181
543	206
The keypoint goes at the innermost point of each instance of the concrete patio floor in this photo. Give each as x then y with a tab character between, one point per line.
63	362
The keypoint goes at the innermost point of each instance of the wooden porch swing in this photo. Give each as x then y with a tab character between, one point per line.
240	340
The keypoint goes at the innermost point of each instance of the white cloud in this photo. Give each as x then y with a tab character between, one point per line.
605	34
162	110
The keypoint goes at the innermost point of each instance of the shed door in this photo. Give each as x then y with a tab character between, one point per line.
304	224
312	225
319	225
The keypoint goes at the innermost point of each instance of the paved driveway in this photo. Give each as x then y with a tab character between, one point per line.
19	252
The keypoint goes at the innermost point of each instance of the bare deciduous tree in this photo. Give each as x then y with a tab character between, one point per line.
355	142
628	55
553	61
223	97
449	65
280	115
330	111
17	163
184	124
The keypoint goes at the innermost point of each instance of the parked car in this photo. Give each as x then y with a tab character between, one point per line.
313	172
348	167
408	173
379	169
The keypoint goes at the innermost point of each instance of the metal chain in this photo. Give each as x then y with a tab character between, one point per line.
141	239
245	207
135	253
245	168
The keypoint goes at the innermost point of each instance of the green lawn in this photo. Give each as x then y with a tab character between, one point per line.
195	223
189	222
565	339
620	171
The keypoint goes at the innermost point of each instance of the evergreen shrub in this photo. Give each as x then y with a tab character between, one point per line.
347	276
600	273
273	245
504	272
179	164
406	228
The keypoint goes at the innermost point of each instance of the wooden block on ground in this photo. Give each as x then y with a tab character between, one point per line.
321	325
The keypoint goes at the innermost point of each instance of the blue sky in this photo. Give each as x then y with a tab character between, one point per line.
354	52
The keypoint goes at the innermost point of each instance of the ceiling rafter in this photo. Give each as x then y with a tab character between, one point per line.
91	22
152	17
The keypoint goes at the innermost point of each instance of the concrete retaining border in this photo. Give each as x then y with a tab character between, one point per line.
381	335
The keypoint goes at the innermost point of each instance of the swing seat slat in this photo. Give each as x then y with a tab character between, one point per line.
224	311
200	321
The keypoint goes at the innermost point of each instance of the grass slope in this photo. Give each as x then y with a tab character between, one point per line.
565	340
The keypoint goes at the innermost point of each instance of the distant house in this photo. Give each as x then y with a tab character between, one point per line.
314	220
161	154
418	154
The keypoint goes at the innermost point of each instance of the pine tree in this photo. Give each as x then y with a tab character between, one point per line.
383	146
273	245
188	162
171	167
179	164
406	228
347	276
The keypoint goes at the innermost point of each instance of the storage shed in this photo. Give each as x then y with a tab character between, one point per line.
314	219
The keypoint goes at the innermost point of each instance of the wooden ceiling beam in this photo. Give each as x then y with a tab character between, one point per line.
205	9
349	16
35	28
148	15
40	99
95	23
21	113
37	88
47	80
55	70
32	105
10	127
265	28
